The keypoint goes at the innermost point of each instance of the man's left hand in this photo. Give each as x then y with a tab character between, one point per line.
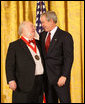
61	81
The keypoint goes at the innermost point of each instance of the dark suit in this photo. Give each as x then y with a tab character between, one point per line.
58	62
20	66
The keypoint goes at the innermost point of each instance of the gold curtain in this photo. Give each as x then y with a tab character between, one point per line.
70	18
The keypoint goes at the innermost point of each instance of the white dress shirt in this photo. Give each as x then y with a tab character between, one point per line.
39	70
52	33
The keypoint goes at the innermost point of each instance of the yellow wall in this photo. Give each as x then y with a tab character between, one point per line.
70	18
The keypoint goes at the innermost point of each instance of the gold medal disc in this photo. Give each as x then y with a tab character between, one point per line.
37	57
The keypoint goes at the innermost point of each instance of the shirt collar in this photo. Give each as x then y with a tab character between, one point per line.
54	30
26	38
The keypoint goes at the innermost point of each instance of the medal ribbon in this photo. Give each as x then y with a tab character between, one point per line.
33	48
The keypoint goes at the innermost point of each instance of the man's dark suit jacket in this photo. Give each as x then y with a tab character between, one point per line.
59	58
20	65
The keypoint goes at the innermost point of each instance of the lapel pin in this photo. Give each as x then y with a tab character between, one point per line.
55	39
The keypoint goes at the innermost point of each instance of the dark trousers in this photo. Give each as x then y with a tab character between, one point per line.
53	93
34	96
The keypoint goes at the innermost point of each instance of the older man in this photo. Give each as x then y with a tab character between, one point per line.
24	68
57	46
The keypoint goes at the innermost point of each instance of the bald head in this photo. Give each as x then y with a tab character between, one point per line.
27	29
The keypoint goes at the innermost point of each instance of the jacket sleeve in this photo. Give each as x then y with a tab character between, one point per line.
68	53
10	63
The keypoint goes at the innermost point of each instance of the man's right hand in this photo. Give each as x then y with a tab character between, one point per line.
12	85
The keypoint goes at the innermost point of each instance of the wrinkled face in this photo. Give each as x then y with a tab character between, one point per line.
46	24
29	30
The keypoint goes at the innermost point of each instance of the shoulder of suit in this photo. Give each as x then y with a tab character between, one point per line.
14	43
64	34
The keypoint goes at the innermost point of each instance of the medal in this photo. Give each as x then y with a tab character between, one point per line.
33	48
37	57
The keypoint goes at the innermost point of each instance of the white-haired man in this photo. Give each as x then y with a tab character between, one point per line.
24	66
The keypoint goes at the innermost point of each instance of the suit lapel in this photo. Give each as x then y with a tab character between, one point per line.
53	41
43	44
38	46
25	48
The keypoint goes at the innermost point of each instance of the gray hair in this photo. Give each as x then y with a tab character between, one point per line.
50	15
21	26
